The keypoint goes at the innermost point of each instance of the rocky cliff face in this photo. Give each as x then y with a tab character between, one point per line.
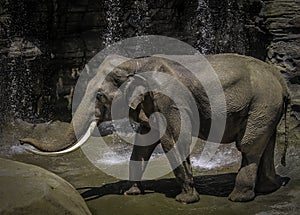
282	22
45	44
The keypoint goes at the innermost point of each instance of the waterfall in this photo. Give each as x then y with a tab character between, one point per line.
20	64
21	86
204	26
112	32
141	16
221	27
140	20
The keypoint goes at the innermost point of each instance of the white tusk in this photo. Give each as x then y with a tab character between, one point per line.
141	77
82	140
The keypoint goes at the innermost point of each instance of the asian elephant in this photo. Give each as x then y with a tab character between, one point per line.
256	97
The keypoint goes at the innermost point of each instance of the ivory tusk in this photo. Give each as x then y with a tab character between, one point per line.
82	140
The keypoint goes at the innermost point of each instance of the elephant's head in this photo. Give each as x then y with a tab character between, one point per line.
95	106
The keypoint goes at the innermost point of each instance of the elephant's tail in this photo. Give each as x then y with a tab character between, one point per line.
287	109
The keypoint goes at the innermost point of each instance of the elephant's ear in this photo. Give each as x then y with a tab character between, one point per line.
137	97
135	90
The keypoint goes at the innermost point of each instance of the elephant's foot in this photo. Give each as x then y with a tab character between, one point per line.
268	185
241	196
135	190
244	184
188	197
264	188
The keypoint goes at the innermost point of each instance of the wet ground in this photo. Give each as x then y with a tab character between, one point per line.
104	193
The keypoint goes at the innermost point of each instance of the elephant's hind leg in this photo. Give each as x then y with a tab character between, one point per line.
252	146
267	180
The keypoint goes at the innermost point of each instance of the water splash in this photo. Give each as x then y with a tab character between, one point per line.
120	153
8	151
225	155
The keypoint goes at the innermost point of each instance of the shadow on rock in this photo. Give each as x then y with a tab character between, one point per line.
215	185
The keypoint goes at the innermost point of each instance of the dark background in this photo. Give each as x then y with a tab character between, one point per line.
44	44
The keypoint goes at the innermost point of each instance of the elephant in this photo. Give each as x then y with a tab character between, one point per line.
256	97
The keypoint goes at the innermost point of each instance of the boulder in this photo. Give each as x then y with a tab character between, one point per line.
28	189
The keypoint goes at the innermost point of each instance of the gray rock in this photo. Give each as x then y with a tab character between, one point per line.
282	22
27	189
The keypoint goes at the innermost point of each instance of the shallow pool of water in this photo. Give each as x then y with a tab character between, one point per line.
104	193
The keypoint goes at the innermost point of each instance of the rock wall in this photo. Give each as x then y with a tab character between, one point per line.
45	44
282	21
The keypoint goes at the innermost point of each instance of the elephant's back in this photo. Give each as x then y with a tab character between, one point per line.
267	80
235	78
260	74
230	68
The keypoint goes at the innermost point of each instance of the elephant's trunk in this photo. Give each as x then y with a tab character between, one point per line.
82	125
57	145
60	147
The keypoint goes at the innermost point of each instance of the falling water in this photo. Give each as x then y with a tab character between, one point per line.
17	88
221	27
144	22
141	17
204	26
18	69
112	33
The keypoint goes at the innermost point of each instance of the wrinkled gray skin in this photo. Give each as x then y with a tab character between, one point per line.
255	93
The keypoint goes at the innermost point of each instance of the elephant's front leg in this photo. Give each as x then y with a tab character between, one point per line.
138	163
179	159
184	175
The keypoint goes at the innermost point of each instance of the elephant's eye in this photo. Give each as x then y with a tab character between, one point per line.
101	97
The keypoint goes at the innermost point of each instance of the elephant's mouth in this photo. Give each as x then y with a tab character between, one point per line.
97	114
102	114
